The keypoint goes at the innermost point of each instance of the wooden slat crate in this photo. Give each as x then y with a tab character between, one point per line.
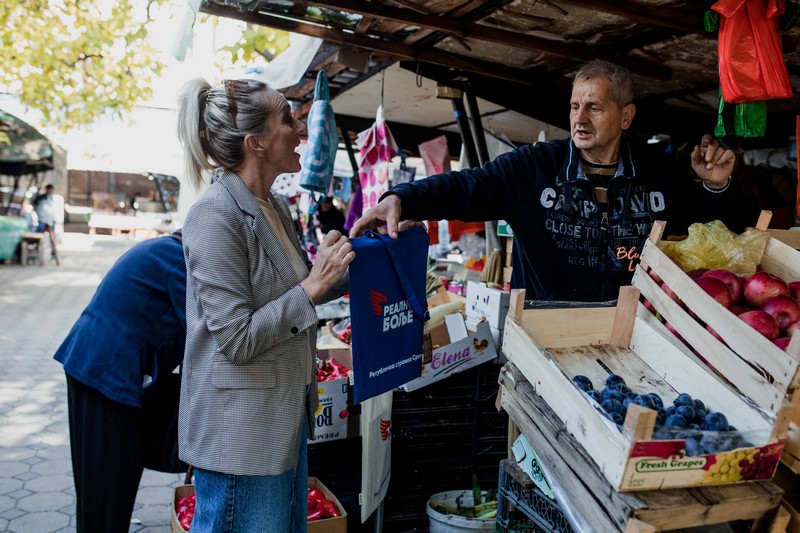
791	451
749	361
550	346
584	488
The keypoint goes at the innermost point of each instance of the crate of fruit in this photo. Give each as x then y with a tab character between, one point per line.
741	326
325	513
646	410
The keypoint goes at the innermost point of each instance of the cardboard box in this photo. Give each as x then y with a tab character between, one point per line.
497	334
483	302
455	349
334	397
181	491
507	274
327	525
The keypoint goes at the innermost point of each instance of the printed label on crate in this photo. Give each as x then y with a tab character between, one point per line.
456	357
331	415
664	463
503	229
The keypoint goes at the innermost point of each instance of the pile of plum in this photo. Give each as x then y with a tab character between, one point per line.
687	418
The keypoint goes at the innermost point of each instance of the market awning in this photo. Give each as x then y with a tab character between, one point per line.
23	149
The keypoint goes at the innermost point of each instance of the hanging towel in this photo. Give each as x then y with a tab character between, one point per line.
323	141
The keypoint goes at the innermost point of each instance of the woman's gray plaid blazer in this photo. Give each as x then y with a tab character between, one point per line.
251	338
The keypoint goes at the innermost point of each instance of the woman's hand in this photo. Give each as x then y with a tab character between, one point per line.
334	255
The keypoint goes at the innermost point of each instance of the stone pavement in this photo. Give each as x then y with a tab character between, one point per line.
38	306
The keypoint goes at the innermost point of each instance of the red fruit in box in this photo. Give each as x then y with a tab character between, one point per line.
794	290
762	286
761	322
730	279
715	335
739	309
671	294
696	273
717	290
784	309
674	331
792	328
316	495
782	342
655	276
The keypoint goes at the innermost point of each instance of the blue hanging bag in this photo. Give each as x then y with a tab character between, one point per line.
323	141
387	310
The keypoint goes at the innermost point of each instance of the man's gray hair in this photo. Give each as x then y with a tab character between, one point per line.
620	78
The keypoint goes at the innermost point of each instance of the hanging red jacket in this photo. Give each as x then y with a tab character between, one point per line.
751	66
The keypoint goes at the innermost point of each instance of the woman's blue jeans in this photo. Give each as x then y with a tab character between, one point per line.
228	503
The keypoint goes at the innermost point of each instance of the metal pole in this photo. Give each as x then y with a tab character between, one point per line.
492	242
466	133
477	125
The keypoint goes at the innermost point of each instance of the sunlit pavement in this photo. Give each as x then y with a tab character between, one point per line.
38	305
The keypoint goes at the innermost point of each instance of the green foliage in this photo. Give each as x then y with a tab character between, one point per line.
75	60
256	42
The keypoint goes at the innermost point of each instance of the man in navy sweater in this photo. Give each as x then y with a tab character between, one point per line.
581	208
119	359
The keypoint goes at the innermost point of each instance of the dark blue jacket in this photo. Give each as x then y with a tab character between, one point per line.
565	246
135	325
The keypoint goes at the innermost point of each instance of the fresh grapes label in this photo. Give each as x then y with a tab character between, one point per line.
669	464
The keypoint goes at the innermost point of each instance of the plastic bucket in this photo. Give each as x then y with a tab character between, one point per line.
450	523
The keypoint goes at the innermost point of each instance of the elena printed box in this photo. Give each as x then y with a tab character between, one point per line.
455	349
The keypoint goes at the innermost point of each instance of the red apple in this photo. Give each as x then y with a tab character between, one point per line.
655	276
794	290
647	305
697	272
761	322
794	326
782	342
715	335
717	290
762	286
784	309
674	332
739	309
671	294
728	278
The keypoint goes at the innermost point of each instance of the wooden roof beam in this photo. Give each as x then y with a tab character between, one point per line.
645	14
571	50
394	50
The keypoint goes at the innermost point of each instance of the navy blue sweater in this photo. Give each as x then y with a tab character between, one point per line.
134	325
566	246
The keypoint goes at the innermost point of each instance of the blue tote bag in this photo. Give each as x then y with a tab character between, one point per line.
387	310
323	141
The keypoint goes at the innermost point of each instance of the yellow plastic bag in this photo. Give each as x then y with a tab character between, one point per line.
712	245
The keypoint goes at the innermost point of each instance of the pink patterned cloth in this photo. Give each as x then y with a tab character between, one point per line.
435	156
376	148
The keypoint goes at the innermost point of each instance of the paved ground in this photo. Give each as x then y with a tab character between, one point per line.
38	306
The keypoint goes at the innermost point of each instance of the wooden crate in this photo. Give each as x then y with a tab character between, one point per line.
550	346
583	487
749	361
791	451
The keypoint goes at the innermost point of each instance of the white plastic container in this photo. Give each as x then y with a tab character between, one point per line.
449	523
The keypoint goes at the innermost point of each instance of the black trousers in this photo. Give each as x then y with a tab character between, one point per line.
107	458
